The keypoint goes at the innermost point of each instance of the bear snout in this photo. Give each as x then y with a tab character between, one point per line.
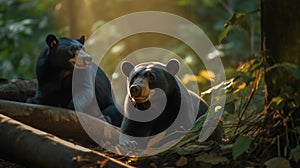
135	90
139	90
87	60
82	59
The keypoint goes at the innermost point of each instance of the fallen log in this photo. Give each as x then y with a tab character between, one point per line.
36	148
61	122
17	89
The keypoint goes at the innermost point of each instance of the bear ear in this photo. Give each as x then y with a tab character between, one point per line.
126	68
173	66
81	39
51	40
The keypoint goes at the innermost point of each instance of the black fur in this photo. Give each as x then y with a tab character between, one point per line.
55	74
150	76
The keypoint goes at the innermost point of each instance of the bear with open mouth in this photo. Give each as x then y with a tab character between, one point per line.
157	101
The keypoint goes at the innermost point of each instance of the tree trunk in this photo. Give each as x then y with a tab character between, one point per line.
63	123
280	26
35	148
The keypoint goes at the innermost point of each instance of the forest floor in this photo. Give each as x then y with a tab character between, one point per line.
8	164
212	153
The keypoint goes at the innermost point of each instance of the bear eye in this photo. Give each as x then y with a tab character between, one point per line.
133	79
150	76
72	50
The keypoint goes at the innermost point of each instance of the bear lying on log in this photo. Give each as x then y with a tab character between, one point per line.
68	78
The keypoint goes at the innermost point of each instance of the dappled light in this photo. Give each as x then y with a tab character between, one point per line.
92	83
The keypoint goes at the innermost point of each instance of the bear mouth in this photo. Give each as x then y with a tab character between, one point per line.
83	64
143	99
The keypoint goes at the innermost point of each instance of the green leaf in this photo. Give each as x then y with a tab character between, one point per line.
298	130
297	72
230	107
199	123
277	100
224	33
240	146
295	154
277	162
233	21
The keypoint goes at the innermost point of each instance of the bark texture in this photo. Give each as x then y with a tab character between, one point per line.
280	25
63	123
36	148
17	89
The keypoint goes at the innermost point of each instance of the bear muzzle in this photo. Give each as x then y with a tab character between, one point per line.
136	94
139	91
135	90
81	60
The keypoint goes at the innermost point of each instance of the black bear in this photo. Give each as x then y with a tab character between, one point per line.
57	86
160	100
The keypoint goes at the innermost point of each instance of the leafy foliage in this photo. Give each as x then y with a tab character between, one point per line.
253	125
241	145
244	39
233	21
23	27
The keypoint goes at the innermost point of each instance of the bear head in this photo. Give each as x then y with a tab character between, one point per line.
67	53
145	77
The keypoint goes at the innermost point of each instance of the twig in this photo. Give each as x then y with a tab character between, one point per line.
253	90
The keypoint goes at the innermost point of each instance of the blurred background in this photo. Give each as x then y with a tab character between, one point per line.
24	25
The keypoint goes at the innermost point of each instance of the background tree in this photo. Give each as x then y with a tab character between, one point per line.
281	51
281	43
